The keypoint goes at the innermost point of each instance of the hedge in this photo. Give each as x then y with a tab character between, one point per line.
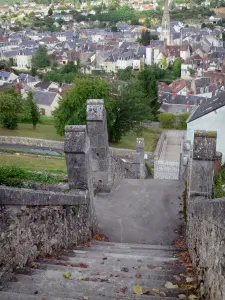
171	121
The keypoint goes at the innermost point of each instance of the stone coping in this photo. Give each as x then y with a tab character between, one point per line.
21	196
15	140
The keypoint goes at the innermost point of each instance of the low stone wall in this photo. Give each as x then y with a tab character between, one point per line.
14	140
166	170
36	223
206	243
150	124
159	146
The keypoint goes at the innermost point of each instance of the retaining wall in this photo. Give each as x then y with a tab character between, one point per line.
36	223
206	244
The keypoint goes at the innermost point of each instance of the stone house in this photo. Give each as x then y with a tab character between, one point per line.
209	116
46	101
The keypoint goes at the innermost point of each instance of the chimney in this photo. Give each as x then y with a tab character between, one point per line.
18	88
164	44
193	85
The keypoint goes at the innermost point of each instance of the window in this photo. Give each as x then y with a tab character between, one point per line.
42	111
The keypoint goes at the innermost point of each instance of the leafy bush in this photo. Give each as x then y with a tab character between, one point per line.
9	122
218	187
13	176
169	120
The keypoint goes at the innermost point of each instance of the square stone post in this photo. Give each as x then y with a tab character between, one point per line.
140	149
98	134
78	157
202	164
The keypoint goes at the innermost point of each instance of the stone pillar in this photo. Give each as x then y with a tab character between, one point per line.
98	134
140	149
202	164
78	157
184	159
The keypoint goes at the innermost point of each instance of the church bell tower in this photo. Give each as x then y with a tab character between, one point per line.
165	33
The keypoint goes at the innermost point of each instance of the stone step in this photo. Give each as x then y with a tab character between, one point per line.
146	274
97	250
111	258
70	288
135	246
114	269
16	296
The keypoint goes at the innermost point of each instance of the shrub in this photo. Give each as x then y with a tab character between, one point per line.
167	120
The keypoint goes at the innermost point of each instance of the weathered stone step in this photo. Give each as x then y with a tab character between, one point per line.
115	269
134	246
109	277
114	276
125	251
16	296
70	287
113	257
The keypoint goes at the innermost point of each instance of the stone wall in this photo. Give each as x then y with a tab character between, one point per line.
14	140
36	223
205	228
206	244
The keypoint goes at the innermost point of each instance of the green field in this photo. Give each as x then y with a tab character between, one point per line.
48	132
34	163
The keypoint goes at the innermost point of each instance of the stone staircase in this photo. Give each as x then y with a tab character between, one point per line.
101	271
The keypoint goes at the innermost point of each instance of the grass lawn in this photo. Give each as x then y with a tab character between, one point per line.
34	163
151	137
48	132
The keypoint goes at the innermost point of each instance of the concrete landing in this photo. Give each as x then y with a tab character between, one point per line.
141	211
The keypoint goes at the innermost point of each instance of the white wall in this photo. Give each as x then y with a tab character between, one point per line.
214	121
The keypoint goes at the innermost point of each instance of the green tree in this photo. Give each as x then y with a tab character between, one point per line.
146	37
50	12
177	67
72	106
33	110
125	74
4	65
40	59
10	107
149	85
129	109
164	62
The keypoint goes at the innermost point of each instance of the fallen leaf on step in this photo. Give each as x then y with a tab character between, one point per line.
85	297
145	291
123	289
150	266
192	297
67	275
33	266
42	298
81	278
158	268
156	291
125	270
182	296
137	290
138	275
36	292
169	285
177	278
104	258
100	237
189	279
162	294
118	259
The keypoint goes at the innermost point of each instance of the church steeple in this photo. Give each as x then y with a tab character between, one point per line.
165	33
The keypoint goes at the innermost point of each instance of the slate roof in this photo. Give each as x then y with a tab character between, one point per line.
4	74
176	109
44	98
208	105
43	85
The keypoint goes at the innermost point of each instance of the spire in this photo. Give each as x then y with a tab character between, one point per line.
165	33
